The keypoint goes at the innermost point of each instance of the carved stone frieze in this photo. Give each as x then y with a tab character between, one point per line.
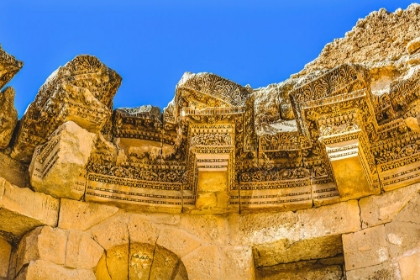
212	149
9	66
336	133
63	158
81	91
8	116
220	147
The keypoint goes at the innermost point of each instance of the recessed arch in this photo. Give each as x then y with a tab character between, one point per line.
140	261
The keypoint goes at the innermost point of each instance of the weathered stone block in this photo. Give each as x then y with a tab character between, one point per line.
365	248
287	251
209	228
57	167
177	241
82	251
402	237
403	233
5	252
375	210
80	91
142	230
333	272
413	45
43	243
79	215
260	228
237	263
203	263
411	212
13	171
41	269
8	116
410	267
386	271
112	232
18	216
9	66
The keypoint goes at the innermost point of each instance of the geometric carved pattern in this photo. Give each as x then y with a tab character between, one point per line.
205	153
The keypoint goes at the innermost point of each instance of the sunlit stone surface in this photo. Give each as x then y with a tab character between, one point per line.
316	177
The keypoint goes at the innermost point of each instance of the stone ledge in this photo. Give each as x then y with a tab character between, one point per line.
22	210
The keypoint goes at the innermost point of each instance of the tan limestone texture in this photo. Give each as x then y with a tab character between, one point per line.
316	177
8	116
22	209
5	252
247	246
13	171
62	159
9	66
80	91
379	39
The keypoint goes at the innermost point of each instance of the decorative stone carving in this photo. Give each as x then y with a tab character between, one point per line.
200	157
80	91
62	159
9	66
8	116
336	131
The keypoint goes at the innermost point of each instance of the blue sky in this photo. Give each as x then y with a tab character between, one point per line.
152	43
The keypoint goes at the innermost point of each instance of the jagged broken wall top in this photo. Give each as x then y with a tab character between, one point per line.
220	147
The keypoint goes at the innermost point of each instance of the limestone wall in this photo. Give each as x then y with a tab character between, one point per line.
377	236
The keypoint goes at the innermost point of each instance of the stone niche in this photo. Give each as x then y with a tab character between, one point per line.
317	177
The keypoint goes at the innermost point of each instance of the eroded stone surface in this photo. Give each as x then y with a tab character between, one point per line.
403	233
82	251
304	224
13	171
9	66
5	252
43	243
112	232
410	266
375	210
41	269
22	209
365	248
287	251
80	91
237	263
58	166
8	116
82	215
227	164
203	263
368	41
382	271
328	273
185	243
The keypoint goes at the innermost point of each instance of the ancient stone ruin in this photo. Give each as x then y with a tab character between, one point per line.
317	177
